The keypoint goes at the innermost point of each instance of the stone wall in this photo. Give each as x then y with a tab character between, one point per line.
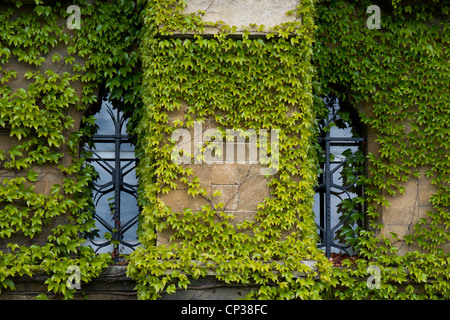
242	186
405	209
114	284
49	175
244	13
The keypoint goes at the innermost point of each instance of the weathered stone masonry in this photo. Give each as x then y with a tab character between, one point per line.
241	185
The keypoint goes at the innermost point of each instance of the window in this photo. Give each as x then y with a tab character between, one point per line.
338	207
114	191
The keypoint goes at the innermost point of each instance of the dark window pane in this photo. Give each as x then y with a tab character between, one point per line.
115	191
338	180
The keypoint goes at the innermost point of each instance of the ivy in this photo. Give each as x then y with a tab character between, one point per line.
275	81
240	83
252	83
37	116
399	69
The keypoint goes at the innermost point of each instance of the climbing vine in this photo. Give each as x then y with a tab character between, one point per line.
401	71
387	68
275	81
48	72
247	83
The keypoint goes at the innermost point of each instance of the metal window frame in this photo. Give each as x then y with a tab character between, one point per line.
116	184
327	182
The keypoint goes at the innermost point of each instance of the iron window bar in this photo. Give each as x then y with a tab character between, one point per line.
329	185
115	168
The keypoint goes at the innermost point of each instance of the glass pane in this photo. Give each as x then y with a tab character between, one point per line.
105	119
341	132
127	147
340	182
124	127
106	187
104	169
104	203
102	146
129	210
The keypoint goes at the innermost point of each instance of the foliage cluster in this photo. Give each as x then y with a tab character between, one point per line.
247	83
402	72
262	82
39	117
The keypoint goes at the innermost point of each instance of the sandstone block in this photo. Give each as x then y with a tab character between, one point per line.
229	196
253	188
244	12
225	173
178	200
409	198
400	215
426	190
